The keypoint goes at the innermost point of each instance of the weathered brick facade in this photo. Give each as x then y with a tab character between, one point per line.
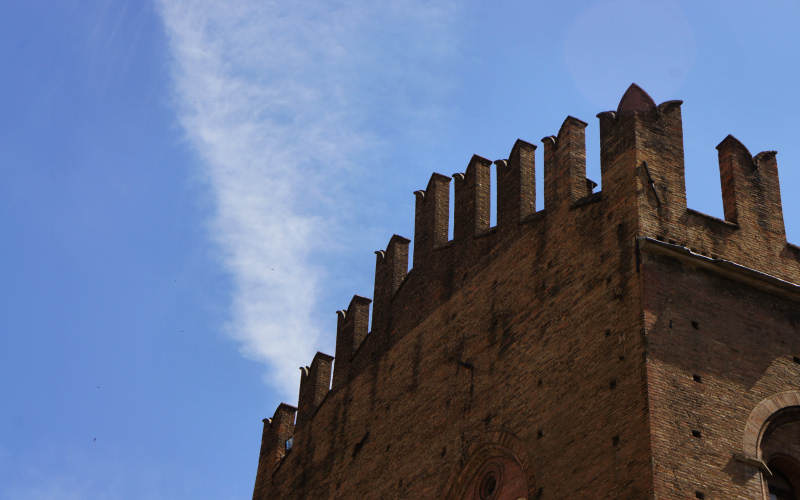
613	345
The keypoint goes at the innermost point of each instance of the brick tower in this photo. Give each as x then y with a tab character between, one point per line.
616	344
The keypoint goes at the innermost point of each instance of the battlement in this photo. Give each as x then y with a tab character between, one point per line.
643	196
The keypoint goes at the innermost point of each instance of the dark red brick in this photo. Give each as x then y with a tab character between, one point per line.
612	345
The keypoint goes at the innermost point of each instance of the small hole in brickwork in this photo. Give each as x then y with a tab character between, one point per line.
444	452
539	383
608	333
670	323
622	358
615	440
699	494
695	325
360	444
697	378
612	384
696	433
539	434
796	359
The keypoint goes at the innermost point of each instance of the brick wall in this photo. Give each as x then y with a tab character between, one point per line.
716	348
558	347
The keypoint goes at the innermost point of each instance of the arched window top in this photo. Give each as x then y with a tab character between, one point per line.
778	446
495	469
761	416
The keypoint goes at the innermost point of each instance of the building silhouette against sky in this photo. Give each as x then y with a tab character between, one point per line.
615	344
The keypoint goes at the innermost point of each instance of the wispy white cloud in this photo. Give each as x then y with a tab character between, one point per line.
277	99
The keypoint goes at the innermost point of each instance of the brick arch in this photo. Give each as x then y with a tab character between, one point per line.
760	416
484	451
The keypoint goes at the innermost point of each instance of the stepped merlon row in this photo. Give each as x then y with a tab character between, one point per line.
750	193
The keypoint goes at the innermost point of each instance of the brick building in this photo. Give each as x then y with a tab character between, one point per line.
616	344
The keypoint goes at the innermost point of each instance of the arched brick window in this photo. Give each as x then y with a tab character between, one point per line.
779	486
495	470
780	450
499	478
772	437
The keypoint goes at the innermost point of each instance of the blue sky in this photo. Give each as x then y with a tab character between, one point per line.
189	191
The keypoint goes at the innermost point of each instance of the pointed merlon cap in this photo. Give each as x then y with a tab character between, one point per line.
284	413
322	356
435	178
570	122
732	143
396	239
764	156
285	407
358	300
478	160
635	100
522	143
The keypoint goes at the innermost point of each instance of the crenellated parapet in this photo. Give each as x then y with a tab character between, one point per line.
351	330
315	380
641	152
751	195
565	179
643	197
275	442
431	218
391	267
516	185
472	199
